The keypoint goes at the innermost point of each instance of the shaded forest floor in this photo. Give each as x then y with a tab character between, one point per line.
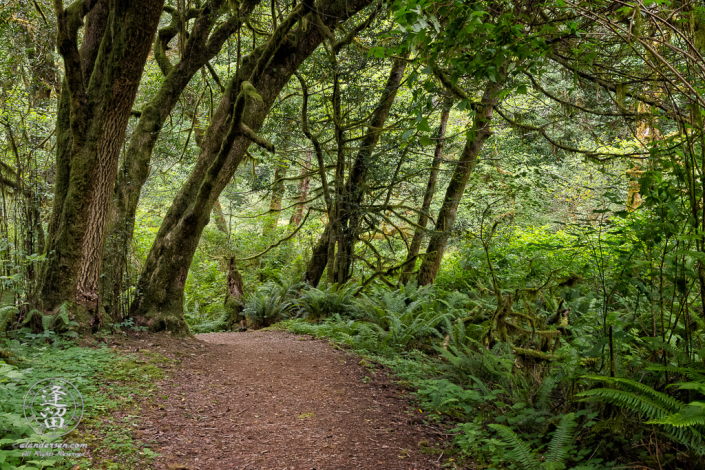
274	400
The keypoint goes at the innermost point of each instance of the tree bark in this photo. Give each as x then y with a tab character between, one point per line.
159	300
480	132
99	89
203	44
220	221
428	196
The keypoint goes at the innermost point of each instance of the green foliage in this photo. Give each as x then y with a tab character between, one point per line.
683	422
264	308
7	315
519	451
559	448
410	328
107	381
318	304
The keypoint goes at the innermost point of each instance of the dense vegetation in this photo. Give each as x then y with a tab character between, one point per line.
502	201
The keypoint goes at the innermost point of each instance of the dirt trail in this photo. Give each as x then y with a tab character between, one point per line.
273	400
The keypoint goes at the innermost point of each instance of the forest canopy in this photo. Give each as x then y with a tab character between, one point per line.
508	193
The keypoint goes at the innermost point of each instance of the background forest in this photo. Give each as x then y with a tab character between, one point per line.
501	200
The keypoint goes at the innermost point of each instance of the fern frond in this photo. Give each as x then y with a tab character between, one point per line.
691	373
543	395
693	415
699	386
629	400
32	313
663	401
517	450
561	442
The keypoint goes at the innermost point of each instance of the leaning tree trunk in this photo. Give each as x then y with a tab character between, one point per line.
350	208
463	169
345	212
159	300
319	257
427	198
204	42
99	89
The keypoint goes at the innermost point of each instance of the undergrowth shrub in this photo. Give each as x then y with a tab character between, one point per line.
265	307
317	304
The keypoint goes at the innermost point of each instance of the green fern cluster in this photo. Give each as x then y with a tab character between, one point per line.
7	314
321	303
519	452
473	363
59	322
264	308
682	422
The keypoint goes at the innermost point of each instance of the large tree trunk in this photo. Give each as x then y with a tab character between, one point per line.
100	86
203	44
461	174
428	196
159	300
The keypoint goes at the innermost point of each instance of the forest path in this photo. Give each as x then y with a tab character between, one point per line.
274	400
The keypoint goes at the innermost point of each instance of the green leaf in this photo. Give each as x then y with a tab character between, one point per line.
425	141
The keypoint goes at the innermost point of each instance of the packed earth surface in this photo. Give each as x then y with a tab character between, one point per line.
274	400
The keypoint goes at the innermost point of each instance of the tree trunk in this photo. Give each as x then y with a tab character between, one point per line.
159	300
343	220
100	86
350	208
463	169
428	196
234	297
203	44
275	204
220	221
319	257
303	192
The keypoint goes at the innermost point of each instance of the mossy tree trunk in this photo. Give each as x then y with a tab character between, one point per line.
479	133
98	91
424	212
160	290
234	297
204	42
